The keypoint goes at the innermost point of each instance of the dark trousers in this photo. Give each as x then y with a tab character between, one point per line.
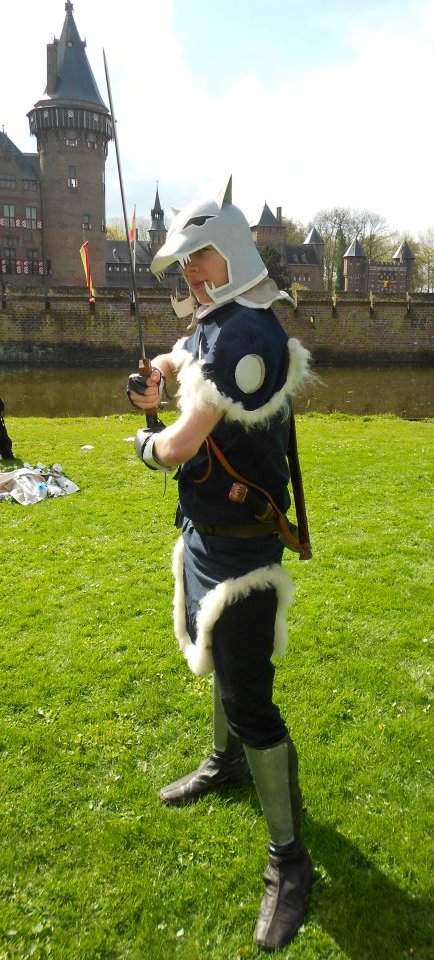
242	647
243	636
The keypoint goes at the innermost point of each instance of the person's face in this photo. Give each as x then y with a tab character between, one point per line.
205	266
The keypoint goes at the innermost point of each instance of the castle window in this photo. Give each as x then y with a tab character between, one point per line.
9	183
32	257
71	143
10	258
30	185
31	217
9	215
72	178
86	222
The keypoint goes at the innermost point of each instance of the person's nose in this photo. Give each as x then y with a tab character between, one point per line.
192	265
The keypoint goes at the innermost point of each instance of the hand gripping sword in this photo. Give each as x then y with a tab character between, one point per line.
145	368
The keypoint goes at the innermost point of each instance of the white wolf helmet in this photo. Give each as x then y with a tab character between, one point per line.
217	223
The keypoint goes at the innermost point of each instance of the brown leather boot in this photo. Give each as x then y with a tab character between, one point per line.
224	768
288	881
288	876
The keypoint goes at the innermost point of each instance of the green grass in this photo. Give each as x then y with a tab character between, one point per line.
98	710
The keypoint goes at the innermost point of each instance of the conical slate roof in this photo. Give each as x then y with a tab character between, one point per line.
75	80
314	237
355	249
404	252
28	162
267	218
157	205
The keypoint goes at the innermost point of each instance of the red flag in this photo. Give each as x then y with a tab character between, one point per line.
85	259
132	233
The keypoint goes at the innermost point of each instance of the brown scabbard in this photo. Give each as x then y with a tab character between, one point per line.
298	492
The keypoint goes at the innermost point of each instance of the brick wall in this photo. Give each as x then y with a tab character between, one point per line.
66	201
392	331
69	333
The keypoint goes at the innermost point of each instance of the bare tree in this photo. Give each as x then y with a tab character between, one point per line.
338	227
142	225
335	229
295	232
424	266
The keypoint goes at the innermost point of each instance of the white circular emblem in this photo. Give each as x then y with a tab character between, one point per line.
250	373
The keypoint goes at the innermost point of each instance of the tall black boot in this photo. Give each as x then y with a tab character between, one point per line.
227	765
288	876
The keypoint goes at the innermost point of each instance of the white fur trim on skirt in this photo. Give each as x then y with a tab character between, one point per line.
199	655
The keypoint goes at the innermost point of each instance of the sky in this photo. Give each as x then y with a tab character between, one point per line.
308	105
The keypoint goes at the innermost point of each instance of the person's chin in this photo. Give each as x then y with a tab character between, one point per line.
201	295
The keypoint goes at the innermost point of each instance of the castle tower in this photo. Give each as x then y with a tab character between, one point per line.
157	230
355	269
404	257
72	126
315	240
270	230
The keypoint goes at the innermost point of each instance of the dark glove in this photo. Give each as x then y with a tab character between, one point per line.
138	384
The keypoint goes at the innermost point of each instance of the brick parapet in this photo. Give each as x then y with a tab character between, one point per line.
60	328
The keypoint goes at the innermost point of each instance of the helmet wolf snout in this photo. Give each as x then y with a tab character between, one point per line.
219	224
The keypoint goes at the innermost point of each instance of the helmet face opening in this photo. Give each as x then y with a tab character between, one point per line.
219	224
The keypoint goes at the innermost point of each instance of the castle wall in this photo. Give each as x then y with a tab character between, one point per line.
70	333
21	253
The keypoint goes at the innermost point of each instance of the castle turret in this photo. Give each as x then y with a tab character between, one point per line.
405	257
355	268
315	239
72	126
270	230
157	231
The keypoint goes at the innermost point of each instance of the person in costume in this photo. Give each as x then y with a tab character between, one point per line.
6	451
236	372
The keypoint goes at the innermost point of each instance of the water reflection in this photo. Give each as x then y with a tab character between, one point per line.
404	390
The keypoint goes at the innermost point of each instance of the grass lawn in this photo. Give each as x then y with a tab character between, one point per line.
98	710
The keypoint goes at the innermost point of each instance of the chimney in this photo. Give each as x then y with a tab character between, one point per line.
51	67
279	214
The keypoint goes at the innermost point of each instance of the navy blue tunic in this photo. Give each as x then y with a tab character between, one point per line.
256	448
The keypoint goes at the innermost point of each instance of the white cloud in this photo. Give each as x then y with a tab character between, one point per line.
355	133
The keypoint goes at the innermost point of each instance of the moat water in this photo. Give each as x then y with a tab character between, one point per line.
404	390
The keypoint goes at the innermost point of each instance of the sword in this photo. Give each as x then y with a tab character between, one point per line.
145	368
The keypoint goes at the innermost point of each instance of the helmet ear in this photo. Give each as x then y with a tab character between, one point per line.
225	196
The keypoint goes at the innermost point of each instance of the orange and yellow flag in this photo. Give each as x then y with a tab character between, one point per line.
85	259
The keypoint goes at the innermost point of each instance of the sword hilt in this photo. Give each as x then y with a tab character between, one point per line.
152	421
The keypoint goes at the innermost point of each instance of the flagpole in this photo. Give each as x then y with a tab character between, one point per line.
121	184
145	367
133	241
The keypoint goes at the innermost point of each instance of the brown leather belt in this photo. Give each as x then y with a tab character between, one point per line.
243	531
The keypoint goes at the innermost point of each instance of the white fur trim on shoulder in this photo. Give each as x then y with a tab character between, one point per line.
199	655
178	348
195	390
